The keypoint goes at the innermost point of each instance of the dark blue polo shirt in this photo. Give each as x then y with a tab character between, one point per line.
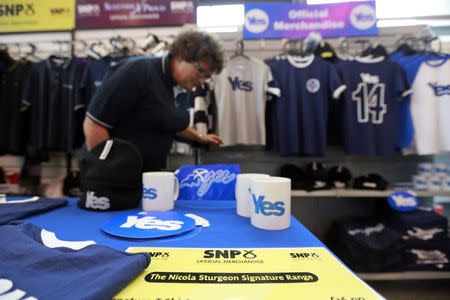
52	91
13	120
136	103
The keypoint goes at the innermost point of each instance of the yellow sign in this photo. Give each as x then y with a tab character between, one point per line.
36	15
284	273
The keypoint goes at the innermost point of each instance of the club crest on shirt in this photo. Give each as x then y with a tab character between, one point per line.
440	89
312	85
367	78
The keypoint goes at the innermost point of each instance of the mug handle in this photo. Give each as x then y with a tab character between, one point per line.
176	189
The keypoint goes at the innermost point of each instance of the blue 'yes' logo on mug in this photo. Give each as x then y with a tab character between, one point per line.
268	208
149	193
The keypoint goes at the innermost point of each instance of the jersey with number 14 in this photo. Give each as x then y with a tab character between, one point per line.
371	106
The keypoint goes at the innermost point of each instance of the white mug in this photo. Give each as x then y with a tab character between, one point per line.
160	191
446	183
434	183
242	192
271	203
425	169
440	169
420	182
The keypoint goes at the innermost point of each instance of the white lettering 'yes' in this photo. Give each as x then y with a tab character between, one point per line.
151	223
7	292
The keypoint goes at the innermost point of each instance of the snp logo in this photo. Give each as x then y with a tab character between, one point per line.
304	255
59	11
369	98
159	255
268	208
440	90
95	202
181	6
149	193
242	85
90	10
17	9
7	292
150	222
214	253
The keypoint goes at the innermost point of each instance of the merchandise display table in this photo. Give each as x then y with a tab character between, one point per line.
241	261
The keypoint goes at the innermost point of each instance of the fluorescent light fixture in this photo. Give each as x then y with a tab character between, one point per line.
412	22
222	29
402	9
220	16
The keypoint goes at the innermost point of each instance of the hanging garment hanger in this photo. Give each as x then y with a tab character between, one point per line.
404	45
31	55
97	50
239	51
150	41
375	50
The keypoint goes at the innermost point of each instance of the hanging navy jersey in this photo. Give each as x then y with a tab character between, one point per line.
35	264
52	92
299	117
13	120
370	109
93	75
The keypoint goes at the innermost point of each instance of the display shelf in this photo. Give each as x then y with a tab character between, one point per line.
411	275
352	193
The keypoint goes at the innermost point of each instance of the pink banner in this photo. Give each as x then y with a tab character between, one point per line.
134	13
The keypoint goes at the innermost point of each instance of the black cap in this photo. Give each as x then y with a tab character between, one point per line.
111	176
316	176
295	174
339	177
370	182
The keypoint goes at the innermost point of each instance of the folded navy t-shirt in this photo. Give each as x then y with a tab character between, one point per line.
35	263
11	211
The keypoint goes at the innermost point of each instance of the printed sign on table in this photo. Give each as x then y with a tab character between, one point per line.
132	13
33	15
273	20
208	182
195	273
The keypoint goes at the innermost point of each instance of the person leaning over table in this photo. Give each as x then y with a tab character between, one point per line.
136	100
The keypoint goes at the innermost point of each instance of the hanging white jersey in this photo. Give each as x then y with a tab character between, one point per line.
430	107
241	93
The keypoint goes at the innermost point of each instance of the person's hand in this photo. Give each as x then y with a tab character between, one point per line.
210	139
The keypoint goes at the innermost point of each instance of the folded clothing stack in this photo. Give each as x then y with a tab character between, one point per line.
367	245
425	234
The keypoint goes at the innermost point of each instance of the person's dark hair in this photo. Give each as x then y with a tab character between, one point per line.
193	46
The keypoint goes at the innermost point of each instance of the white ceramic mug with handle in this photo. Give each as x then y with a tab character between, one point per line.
159	191
242	192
